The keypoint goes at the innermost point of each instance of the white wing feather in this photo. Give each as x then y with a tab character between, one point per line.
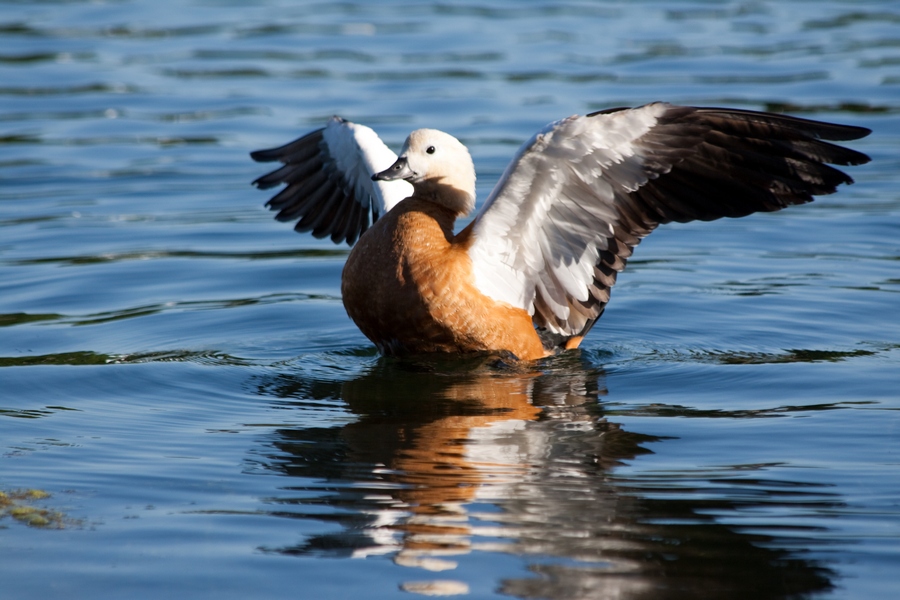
359	153
542	227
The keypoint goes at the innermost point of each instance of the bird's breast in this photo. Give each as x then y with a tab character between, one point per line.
409	287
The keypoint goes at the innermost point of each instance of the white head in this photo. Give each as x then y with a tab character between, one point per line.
439	167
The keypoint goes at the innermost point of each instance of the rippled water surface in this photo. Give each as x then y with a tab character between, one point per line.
178	374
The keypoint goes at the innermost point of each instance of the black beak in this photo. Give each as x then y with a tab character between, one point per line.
399	170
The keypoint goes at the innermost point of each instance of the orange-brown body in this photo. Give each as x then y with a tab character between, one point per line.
408	286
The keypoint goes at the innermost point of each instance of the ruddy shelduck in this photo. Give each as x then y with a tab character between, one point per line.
532	273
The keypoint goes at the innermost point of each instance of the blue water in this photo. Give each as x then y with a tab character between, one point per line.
178	374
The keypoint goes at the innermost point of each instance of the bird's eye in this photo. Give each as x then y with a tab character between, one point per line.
430	149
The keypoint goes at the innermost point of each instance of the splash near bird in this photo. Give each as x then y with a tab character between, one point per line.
532	273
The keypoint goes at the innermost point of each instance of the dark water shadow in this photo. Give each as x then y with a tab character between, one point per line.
448	458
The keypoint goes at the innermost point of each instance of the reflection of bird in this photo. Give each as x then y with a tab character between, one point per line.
439	457
532	273
434	434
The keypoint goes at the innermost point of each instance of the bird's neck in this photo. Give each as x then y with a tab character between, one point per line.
423	222
458	201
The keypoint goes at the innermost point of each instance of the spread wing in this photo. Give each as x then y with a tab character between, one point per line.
328	173
584	191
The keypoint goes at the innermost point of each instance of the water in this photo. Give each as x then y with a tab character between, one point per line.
179	375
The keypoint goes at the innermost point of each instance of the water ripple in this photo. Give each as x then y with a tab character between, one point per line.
189	372
91	259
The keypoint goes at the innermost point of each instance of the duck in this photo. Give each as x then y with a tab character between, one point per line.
532	272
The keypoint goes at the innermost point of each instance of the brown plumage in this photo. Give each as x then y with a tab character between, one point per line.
408	286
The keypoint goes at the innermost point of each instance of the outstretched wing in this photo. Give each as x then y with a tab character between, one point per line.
584	191
328	173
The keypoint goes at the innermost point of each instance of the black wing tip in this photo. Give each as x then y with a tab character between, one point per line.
284	151
857	131
814	128
263	156
271	154
260	182
854	158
